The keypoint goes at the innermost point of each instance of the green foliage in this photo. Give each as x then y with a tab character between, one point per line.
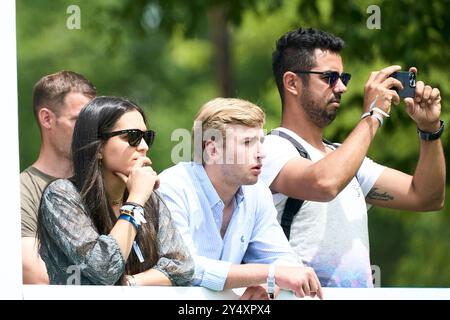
159	53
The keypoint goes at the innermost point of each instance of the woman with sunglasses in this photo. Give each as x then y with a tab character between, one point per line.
107	224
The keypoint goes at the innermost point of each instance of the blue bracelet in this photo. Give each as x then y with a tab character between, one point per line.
130	219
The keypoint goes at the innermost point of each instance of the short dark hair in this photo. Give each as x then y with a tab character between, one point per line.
51	90
295	51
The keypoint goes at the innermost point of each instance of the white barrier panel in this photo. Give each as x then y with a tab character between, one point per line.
10	266
387	293
31	292
132	293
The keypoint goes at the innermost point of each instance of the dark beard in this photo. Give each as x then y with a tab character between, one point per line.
320	116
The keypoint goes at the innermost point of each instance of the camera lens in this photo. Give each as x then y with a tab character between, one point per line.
412	79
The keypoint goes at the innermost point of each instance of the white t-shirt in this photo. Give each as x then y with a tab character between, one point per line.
331	237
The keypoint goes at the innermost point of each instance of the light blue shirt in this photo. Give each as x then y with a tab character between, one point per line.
253	234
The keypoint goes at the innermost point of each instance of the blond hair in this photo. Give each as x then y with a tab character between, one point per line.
216	114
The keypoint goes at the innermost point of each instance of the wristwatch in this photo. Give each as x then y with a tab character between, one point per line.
130	281
428	136
271	281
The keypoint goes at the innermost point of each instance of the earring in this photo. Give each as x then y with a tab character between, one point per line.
100	160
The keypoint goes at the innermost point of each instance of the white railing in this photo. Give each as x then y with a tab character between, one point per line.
31	292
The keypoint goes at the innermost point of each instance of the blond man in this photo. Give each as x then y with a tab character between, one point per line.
57	100
226	217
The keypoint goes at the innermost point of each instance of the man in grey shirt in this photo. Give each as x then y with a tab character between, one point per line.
57	100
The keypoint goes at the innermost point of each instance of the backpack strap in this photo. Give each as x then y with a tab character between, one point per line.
301	150
292	205
291	208
334	145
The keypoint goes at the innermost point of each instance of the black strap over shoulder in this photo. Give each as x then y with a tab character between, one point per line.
334	145
291	208
301	150
292	205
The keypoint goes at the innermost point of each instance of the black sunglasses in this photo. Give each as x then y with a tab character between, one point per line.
332	76
134	136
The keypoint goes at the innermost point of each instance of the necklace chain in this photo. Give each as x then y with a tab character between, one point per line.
116	202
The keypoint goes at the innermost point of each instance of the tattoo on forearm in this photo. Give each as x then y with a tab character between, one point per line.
374	195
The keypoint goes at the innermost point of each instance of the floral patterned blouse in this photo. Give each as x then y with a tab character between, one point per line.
75	253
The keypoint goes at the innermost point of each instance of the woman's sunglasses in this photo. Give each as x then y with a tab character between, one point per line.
332	76
134	136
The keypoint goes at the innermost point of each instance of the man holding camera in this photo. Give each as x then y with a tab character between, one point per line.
321	189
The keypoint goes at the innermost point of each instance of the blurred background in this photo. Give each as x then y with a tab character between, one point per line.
171	56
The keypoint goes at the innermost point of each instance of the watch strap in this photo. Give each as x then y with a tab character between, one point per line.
271	281
429	136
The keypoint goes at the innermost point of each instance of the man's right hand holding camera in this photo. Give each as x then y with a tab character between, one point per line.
379	90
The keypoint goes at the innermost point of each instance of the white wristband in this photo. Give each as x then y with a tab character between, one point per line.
271	281
376	112
137	212
378	117
375	115
366	114
376	109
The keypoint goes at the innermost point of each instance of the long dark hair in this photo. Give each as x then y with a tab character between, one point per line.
97	117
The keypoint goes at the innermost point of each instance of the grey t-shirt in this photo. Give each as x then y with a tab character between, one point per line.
32	184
